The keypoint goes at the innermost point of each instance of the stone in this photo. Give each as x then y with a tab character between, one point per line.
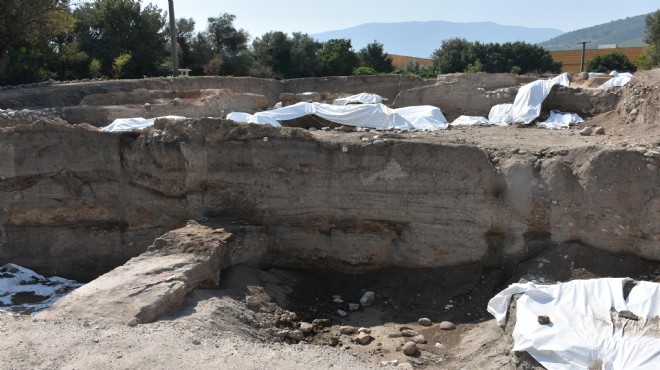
296	335
342	313
424	321
409	333
409	348
306	327
196	342
321	322
367	299
440	346
132	322
405	366
419	339
586	131
337	300
543	320
253	303
447	325
363	339
599	131
347	330
389	363
353	306
364	330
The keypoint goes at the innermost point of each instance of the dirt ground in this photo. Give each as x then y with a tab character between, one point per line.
257	317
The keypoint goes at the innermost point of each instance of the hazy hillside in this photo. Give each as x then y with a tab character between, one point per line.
420	39
624	32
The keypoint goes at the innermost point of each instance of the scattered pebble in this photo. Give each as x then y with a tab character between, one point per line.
446	325
409	333
389	363
353	306
367	299
363	339
306	327
628	315
409	348
586	131
364	330
599	131
342	313
347	330
440	346
424	321
543	320
419	339
132	322
196	342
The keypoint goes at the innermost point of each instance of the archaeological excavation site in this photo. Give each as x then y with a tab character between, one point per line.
473	221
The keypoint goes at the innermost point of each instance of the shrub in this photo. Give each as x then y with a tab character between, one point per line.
119	63
95	68
611	62
364	71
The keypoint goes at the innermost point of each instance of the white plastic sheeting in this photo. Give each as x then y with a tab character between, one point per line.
470	121
527	104
585	324
558	120
362	98
620	79
134	124
16	281
376	116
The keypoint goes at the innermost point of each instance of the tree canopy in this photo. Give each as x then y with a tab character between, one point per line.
460	55
374	56
611	62
338	58
652	52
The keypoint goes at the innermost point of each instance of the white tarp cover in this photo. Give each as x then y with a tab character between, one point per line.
17	281
134	124
362	98
621	80
376	116
470	121
558	120
527	104
583	329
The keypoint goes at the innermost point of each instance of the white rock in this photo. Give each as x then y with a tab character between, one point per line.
446	325
367	299
353	306
362	338
425	321
342	313
347	329
586	131
389	363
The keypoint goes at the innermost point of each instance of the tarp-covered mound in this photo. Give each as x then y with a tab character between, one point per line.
377	116
618	80
591	322
558	120
25	291
526	106
134	124
362	98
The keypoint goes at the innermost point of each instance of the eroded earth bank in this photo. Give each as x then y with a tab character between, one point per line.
210	243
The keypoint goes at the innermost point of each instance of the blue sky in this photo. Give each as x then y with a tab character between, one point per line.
308	16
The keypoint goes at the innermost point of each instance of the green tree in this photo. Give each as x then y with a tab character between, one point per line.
374	56
273	50
230	44
653	38
201	53
305	55
364	71
611	62
460	55
107	28
338	58
95	68
454	55
185	34
29	26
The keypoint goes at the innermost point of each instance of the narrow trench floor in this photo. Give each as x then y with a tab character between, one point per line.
275	305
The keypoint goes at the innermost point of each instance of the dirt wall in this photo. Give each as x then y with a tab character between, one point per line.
77	202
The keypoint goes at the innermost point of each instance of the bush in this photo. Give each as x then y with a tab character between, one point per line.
95	68
611	62
516	70
119	63
646	60
364	71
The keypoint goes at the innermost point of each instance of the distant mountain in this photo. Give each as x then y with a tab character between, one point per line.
420	39
627	32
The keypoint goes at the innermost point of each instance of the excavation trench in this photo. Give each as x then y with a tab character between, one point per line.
256	229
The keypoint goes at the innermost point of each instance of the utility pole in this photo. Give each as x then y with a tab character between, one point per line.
175	55
584	46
